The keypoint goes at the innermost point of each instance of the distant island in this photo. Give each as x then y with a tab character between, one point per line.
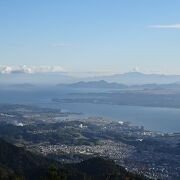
102	84
95	84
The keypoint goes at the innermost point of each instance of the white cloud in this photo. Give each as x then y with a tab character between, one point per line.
167	26
29	70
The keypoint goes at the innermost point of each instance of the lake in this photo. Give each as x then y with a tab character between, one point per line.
152	118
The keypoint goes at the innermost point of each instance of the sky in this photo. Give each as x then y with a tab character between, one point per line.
91	36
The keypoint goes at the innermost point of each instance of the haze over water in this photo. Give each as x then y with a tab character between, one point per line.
152	118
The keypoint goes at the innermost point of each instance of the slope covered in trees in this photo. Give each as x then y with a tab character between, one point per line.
16	163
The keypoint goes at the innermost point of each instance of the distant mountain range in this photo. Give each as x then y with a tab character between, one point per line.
130	78
111	85
140	78
95	84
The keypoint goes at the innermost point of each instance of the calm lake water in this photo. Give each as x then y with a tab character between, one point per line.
158	119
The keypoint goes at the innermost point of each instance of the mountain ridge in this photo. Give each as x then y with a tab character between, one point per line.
129	78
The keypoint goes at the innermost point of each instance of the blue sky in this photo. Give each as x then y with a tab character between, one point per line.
91	35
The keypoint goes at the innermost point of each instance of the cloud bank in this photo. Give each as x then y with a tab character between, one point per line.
167	26
30	70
